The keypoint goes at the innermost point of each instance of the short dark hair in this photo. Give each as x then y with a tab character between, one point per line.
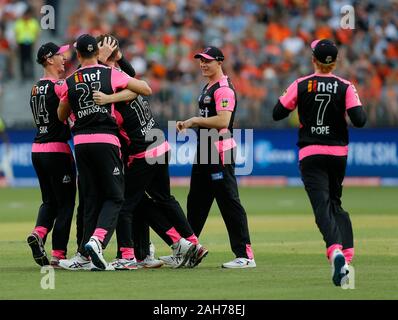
100	40
88	55
87	46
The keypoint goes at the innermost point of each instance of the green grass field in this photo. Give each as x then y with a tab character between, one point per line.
288	248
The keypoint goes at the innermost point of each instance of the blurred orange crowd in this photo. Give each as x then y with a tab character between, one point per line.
266	44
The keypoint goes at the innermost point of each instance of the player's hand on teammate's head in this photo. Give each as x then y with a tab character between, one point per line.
100	98
106	47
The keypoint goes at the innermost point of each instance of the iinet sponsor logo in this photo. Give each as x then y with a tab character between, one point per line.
319	86
87	77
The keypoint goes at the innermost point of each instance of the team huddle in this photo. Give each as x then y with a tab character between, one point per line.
122	175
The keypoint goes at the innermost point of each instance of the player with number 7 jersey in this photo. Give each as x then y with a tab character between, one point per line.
323	100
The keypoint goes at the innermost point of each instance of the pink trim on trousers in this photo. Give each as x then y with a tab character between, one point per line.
249	251
193	239
224	145
329	251
41	231
96	138
324	150
127	253
60	254
173	234
100	234
51	147
348	254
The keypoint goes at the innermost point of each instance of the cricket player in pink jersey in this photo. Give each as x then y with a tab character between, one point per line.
323	100
214	177
52	159
97	146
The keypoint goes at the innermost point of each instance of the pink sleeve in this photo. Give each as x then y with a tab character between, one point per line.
58	89
352	98
289	98
119	79
62	92
119	118
225	99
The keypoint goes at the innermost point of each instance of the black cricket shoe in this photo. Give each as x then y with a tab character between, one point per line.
38	252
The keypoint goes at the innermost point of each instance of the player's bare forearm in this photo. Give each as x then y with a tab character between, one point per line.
101	98
220	121
139	86
63	111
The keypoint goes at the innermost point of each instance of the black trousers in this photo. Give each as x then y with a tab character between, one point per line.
141	223
140	229
323	176
217	181
102	184
57	178
79	216
154	181
141	234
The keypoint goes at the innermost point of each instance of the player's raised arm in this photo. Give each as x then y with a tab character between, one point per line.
110	53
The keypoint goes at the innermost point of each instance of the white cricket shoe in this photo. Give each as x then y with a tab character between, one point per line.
197	256
345	279
77	262
150	263
151	250
124	264
170	261
94	249
339	267
240	263
182	251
